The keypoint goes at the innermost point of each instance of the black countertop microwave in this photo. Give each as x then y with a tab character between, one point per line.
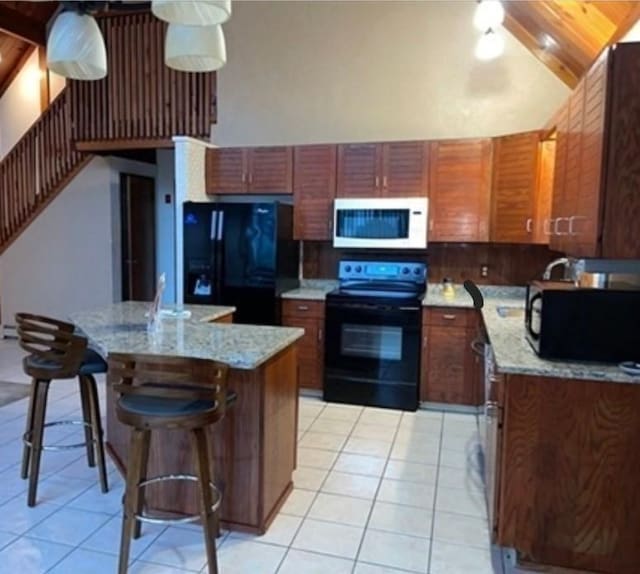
577	324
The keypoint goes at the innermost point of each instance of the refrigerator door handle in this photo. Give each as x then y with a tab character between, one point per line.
220	225
214	223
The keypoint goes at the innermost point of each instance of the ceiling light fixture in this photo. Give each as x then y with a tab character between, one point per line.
489	14
489	46
195	48
75	47
192	12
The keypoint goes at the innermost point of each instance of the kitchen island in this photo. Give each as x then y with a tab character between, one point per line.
254	449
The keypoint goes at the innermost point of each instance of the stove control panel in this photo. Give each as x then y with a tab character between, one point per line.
383	271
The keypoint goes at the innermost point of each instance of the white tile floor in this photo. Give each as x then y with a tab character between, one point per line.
376	492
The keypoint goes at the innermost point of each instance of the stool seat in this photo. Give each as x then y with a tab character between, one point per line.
92	363
161	407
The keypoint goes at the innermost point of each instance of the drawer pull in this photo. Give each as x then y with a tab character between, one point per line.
303	307
449	317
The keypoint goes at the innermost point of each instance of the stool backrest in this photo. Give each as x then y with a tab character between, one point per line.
52	343
170	378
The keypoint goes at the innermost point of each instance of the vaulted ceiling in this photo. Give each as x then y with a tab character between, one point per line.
568	35
22	27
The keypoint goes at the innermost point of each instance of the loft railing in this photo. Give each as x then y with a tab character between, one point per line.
142	102
36	169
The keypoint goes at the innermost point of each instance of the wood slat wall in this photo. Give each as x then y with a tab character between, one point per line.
37	169
142	102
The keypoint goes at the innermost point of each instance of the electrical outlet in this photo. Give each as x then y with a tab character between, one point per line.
484	270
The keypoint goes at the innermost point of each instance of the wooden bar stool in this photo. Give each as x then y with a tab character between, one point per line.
57	352
169	393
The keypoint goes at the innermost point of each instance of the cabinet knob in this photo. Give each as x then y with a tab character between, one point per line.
244	177
320	335
449	317
303	307
546	226
384	181
529	225
377	182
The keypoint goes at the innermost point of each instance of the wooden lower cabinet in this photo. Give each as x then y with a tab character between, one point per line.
308	315
449	368
567	471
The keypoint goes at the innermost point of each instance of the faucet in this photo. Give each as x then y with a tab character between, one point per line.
549	268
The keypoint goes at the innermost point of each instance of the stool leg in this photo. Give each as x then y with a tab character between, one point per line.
144	461
40	409
86	417
131	496
96	425
200	446
26	450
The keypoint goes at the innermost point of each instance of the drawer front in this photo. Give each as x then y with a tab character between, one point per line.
302	308
447	316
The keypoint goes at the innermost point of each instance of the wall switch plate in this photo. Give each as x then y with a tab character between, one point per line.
167	198
484	270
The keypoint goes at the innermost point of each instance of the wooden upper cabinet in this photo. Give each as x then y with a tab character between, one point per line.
270	170
515	179
314	187
460	190
559	177
249	170
405	169
225	170
584	222
359	167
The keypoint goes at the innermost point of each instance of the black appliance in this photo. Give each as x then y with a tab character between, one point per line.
240	254
373	334
566	322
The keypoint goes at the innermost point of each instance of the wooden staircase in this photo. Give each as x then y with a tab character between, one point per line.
140	104
37	168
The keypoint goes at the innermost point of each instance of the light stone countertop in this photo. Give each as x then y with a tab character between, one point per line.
122	328
312	289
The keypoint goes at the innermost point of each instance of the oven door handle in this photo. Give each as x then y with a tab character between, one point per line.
371	307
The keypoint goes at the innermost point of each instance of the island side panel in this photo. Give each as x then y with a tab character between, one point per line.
571	469
236	456
280	430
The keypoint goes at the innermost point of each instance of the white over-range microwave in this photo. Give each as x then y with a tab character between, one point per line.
381	223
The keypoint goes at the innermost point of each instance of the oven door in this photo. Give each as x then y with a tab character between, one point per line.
372	354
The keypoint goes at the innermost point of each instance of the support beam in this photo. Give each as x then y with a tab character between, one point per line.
17	24
45	90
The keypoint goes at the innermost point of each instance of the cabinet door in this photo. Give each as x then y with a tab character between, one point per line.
445	372
544	192
559	176
271	170
359	167
310	350
460	188
573	178
515	178
405	169
225	171
584	224
314	187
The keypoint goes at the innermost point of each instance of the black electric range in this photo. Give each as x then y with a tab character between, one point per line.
373	334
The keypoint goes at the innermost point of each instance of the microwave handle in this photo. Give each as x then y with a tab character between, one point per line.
529	313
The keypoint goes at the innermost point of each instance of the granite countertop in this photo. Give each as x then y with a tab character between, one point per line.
311	289
122	328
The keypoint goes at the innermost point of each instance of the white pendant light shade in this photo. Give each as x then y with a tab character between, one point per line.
195	48
192	12
489	46
75	47
488	14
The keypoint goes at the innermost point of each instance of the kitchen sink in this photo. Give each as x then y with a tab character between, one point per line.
509	311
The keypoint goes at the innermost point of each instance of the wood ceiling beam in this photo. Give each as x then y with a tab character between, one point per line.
553	62
16	69
626	23
17	24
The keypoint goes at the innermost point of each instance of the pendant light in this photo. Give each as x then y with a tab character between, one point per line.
195	48
75	47
488	14
192	12
489	46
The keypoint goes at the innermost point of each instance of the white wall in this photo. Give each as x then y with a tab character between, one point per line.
63	261
20	105
165	221
302	72
633	35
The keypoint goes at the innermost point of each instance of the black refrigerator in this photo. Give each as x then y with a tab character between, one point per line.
240	254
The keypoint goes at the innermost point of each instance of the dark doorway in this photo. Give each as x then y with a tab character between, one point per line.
138	217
